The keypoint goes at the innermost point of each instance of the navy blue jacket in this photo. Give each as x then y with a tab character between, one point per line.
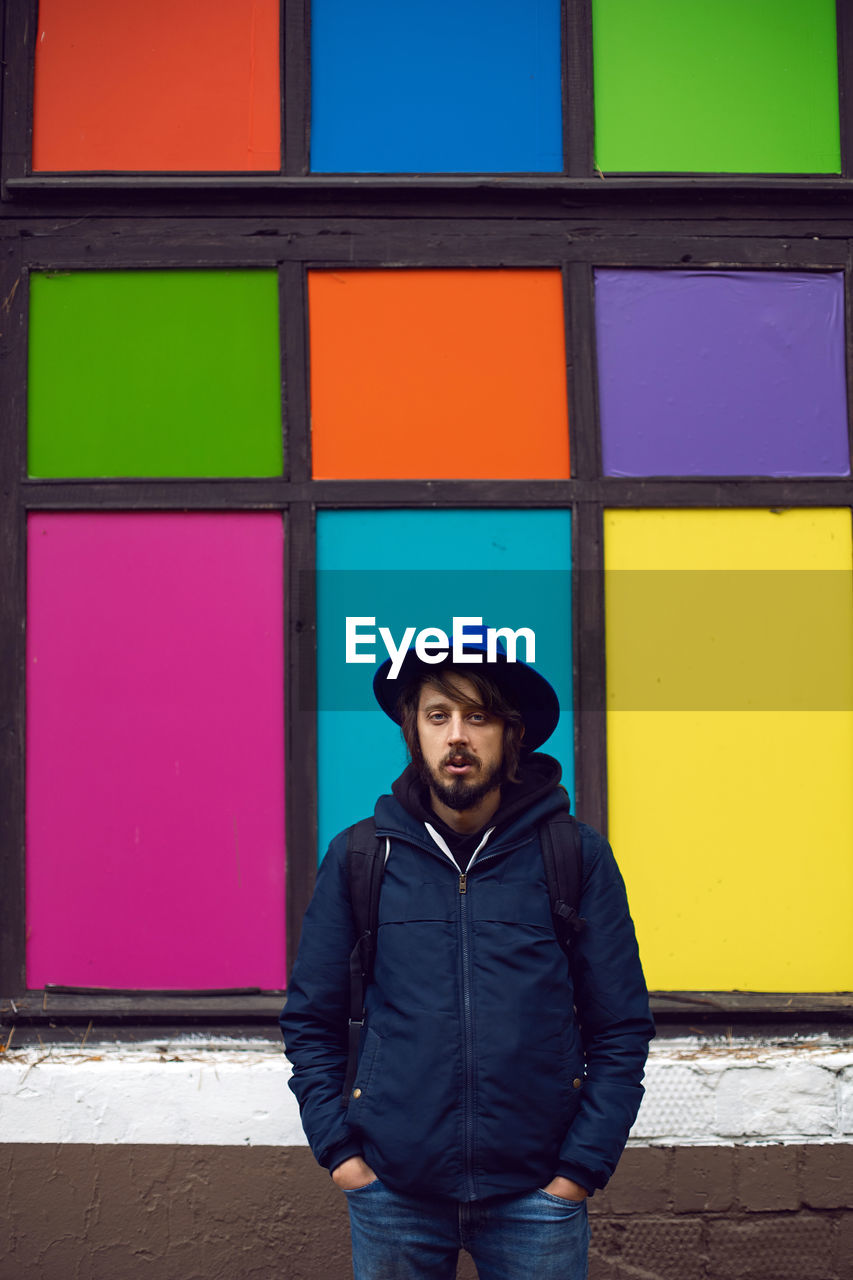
482	1071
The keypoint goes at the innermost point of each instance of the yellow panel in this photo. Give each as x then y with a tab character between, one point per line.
798	538
730	744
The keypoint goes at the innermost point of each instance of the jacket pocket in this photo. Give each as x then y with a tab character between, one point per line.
360	1094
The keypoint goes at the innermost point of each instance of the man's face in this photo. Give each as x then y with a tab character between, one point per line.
461	745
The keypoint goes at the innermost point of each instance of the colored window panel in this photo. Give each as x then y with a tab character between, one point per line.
420	569
716	86
431	86
722	373
438	374
165	85
154	373
730	743
155	803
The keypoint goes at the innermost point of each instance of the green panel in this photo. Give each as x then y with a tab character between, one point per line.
719	86
154	373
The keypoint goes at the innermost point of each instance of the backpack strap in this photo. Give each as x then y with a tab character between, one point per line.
365	866
562	855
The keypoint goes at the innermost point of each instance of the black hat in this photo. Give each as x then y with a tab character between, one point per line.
528	691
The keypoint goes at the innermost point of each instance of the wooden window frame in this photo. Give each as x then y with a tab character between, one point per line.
296	222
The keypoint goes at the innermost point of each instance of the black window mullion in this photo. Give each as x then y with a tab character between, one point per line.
300	702
579	299
300	710
578	106
587	548
293	328
296	86
13	607
589	664
19	41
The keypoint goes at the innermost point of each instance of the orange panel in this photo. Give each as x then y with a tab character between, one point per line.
164	84
438	374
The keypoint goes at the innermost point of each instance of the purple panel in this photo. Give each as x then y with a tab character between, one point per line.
722	373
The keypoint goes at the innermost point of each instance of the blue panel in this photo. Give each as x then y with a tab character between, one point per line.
436	86
422	568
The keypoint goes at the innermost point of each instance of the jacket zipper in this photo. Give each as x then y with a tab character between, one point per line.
467	1041
468	1028
467	1009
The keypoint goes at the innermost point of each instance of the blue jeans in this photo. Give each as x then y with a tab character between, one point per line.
398	1237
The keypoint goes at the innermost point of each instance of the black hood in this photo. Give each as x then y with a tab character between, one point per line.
539	775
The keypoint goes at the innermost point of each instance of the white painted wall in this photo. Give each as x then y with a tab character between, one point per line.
209	1092
701	1092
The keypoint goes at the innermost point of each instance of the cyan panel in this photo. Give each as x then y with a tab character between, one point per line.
434	86
420	569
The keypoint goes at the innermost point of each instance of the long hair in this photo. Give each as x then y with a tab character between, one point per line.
490	697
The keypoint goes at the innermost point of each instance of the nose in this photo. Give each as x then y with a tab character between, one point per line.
457	731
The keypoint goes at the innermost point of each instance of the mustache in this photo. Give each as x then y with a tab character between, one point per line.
461	757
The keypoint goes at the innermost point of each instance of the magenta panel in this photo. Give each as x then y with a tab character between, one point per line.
155	752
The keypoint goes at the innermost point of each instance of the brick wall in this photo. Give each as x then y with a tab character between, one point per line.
727	1213
124	1212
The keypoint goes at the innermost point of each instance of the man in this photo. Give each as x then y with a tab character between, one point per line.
496	1081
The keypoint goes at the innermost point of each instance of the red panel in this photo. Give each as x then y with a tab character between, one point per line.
166	84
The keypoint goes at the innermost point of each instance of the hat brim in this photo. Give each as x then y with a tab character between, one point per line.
527	690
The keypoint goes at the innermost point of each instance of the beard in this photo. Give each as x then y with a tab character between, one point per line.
461	793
